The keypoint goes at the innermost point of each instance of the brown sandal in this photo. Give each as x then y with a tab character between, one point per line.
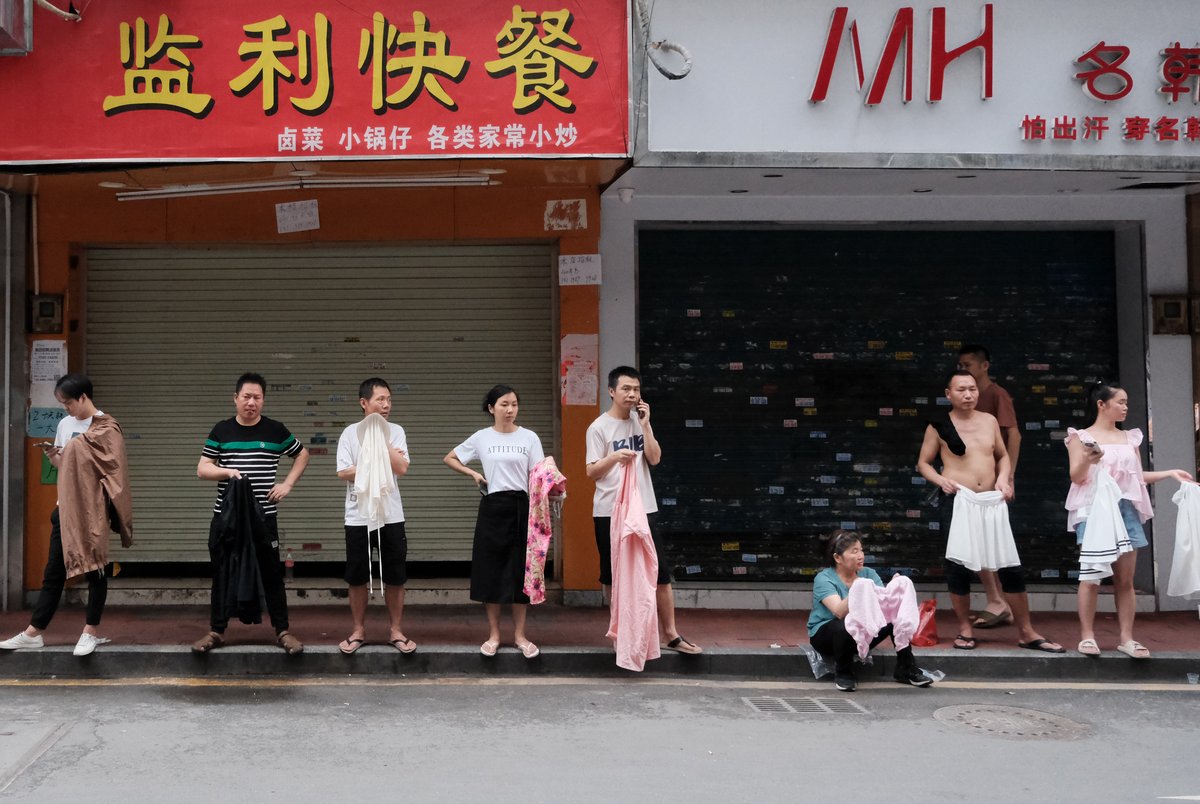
207	642
289	643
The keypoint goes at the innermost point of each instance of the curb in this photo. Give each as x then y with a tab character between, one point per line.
141	662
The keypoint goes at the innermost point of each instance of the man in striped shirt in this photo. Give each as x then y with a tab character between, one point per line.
249	446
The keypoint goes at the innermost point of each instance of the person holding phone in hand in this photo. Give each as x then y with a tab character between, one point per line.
74	392
1102	448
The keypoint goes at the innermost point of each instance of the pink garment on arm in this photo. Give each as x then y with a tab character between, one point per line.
544	481
872	607
633	610
1123	463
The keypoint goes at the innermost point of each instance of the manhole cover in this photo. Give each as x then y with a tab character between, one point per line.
1012	722
801	706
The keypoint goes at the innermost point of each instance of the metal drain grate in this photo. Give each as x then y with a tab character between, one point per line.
804	706
1011	722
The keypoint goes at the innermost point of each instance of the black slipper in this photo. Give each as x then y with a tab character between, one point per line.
354	644
1040	644
969	640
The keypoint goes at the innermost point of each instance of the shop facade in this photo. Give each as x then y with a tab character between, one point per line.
828	200
321	198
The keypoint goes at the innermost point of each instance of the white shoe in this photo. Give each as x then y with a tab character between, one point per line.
22	640
87	643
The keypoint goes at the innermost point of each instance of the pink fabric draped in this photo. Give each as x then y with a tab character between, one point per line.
633	618
872	607
544	481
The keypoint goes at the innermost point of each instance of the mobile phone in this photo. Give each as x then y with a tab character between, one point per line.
483	488
641	413
44	445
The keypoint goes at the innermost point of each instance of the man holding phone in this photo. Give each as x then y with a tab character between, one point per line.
619	435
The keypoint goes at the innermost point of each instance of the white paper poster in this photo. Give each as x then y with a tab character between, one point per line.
579	367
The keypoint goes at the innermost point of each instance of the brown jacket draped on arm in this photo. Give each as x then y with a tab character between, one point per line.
93	496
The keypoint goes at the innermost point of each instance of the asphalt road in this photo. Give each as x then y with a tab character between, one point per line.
520	740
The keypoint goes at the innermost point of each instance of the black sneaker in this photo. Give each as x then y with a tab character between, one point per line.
912	675
845	682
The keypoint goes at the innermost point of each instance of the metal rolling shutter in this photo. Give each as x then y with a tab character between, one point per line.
169	331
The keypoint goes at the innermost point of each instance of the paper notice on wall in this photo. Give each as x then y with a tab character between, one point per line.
43	422
579	269
297	216
47	362
579	369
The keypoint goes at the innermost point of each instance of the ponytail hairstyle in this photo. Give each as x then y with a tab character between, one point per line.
1100	392
836	543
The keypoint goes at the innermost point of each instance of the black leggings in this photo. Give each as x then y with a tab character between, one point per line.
54	579
833	640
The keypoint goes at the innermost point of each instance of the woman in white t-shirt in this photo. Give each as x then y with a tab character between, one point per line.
507	454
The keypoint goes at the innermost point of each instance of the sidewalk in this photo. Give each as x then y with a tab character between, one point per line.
155	641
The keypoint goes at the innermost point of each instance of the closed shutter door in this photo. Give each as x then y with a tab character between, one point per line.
169	331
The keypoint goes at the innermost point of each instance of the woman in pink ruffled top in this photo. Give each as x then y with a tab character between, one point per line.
1102	446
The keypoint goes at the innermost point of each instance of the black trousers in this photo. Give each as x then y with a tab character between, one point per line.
270	569
54	579
833	640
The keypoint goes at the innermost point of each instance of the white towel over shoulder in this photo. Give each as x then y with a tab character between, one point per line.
1185	565
373	478
980	536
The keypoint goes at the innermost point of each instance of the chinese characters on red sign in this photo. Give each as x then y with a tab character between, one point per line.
455	76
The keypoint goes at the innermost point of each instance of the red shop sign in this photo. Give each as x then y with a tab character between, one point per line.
314	79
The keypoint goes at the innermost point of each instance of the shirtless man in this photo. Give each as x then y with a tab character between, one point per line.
976	468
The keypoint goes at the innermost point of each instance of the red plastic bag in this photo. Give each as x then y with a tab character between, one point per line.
927	635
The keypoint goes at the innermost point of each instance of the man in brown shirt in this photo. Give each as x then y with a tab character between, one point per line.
993	399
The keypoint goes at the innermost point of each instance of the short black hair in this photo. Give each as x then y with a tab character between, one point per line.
958	373
251	377
622	371
74	386
977	349
366	388
497	391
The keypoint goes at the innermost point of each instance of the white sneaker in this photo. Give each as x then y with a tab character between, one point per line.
87	643
22	640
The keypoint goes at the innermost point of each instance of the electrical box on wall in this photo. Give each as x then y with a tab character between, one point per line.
45	313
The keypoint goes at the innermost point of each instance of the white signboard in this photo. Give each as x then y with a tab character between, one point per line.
1072	77
579	269
297	216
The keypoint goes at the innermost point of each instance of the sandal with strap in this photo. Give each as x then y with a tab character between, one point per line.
1088	647
1134	649
289	643
207	642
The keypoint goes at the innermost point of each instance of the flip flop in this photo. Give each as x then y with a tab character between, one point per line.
490	647
1041	645
1134	650
354	644
987	619
969	640
408	645
1088	647
681	645
529	649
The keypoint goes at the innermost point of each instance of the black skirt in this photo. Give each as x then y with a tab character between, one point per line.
498	552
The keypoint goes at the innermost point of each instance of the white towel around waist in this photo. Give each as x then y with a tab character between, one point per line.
980	536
